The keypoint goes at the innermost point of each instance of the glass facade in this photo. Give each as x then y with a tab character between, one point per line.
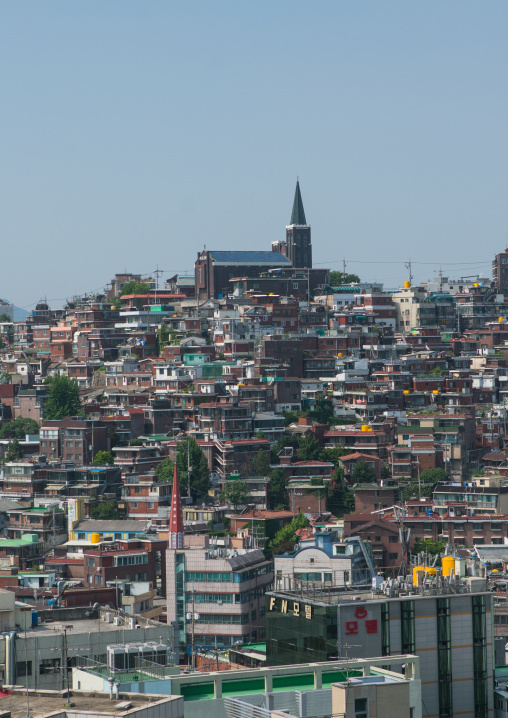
444	657
180	594
407	618
385	629
480	657
297	632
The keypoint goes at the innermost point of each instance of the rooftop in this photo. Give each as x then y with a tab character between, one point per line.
249	257
46	702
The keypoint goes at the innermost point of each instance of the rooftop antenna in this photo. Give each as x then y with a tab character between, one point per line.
346	646
409	266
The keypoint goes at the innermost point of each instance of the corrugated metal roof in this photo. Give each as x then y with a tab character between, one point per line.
103	525
247	559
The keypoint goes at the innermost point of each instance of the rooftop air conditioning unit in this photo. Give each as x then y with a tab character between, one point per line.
117	621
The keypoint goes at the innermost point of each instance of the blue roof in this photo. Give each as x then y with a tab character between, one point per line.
270	258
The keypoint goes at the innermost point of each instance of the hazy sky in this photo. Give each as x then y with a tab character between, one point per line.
135	132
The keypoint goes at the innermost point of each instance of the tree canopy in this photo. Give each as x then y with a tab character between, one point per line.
63	398
261	464
14	451
363	473
235	492
308	448
337	278
105	510
285	539
19	428
200	473
277	492
103	458
135	288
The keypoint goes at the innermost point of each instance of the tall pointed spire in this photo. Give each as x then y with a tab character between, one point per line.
298	213
176	518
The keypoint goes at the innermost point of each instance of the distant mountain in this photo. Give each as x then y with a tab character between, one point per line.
20	314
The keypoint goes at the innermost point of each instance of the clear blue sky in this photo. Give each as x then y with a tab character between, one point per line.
135	132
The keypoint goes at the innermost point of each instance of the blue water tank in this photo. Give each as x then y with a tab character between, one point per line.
35	618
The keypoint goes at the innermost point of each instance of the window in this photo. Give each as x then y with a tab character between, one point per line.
98	580
444	657
361	708
393	556
23	669
407	617
480	656
134	504
385	629
49	665
393	539
90	561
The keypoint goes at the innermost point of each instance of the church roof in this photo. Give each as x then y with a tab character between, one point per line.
272	259
298	213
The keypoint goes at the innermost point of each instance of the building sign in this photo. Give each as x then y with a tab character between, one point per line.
354	627
359	627
296	608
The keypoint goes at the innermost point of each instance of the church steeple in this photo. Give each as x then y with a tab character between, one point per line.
298	213
298	241
176	518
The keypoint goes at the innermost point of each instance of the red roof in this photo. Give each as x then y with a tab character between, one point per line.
358	455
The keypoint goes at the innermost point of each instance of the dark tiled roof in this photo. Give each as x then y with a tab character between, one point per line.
298	213
238	257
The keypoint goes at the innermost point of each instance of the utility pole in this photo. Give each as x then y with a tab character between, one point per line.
189	468
344	271
193	655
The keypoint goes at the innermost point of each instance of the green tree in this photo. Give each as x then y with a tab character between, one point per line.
4	318
433	476
422	545
286	440
338	278
135	288
323	410
261	464
308	448
235	492
19	428
333	455
63	398
200	473
285	539
14	451
135	442
105	510
363	473
426	485
277	490
103	458
165	470
290	417
341	500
